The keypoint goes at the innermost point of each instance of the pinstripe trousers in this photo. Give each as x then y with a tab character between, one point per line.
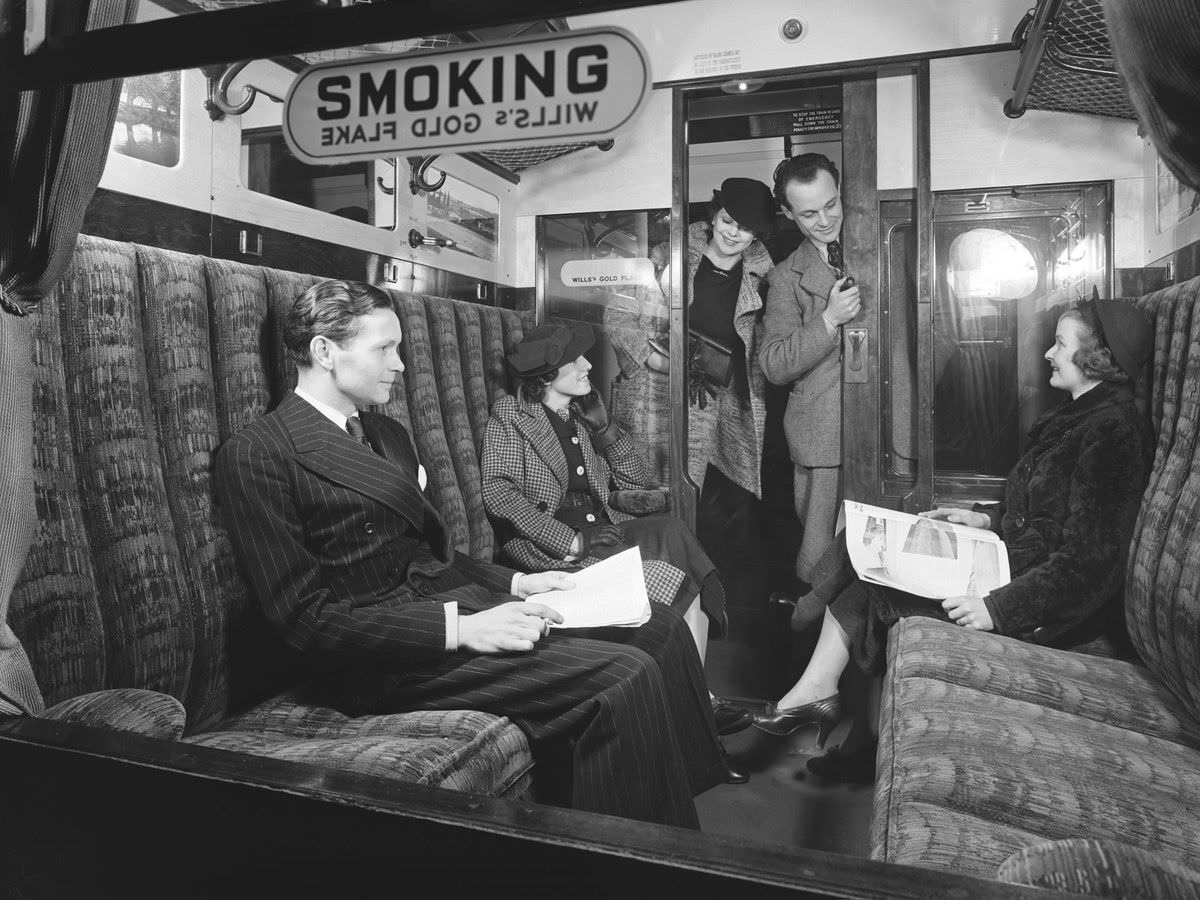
632	699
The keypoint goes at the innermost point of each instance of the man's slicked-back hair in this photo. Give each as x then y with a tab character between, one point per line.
330	309
803	169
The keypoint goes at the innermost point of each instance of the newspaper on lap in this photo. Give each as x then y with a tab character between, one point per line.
927	557
610	592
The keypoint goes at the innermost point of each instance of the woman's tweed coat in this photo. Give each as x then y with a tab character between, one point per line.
640	400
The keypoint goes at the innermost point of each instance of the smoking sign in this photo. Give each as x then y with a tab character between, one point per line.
577	86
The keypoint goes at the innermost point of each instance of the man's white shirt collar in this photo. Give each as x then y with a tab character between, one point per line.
333	415
339	420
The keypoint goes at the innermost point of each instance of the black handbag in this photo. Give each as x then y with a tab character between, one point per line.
712	357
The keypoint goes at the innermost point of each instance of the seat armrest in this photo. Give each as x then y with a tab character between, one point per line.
147	713
1100	869
640	502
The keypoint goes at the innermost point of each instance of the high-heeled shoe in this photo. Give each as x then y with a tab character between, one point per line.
825	714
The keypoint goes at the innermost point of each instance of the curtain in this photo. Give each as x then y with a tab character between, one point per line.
53	145
1157	48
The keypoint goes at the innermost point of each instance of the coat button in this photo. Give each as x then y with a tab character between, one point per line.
543	506
574	440
1019	521
370	528
579	470
590	517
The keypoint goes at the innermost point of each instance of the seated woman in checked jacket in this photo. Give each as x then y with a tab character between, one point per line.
551	458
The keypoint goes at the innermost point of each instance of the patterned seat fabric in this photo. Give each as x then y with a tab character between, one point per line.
989	746
145	361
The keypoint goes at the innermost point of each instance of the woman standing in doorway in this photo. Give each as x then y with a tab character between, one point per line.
727	266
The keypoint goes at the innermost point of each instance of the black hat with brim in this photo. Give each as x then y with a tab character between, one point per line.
549	346
748	202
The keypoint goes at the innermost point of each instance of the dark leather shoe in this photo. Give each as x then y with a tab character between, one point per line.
730	719
825	714
735	775
854	766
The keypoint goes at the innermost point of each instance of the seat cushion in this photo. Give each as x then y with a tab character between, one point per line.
989	745
462	750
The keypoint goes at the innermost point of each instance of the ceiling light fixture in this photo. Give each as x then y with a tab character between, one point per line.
742	85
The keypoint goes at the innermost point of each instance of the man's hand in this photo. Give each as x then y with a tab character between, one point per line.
959	516
510	627
969	611
844	303
539	582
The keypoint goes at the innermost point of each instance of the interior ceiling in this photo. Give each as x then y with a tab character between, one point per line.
513	160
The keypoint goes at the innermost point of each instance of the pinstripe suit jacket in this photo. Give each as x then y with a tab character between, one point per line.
798	349
341	547
525	478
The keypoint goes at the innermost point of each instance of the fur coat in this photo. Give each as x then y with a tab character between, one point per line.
1067	518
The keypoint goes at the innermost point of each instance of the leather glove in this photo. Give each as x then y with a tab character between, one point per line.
592	412
598	536
699	387
590	408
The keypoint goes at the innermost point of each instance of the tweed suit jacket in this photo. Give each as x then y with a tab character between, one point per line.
798	350
525	477
337	541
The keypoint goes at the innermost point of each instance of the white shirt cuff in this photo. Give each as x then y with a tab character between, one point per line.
512	588
451	609
830	328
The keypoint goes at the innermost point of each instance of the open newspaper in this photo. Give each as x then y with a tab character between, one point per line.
927	557
610	592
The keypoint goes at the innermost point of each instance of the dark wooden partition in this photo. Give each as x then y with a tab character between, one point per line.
95	813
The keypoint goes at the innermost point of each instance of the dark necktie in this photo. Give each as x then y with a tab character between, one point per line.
354	426
836	261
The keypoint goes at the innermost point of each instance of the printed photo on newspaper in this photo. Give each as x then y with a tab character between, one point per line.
927	557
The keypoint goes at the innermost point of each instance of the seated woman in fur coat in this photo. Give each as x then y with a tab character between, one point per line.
550	460
1067	519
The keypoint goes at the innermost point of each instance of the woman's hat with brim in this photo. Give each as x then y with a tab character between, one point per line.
545	348
749	202
1127	333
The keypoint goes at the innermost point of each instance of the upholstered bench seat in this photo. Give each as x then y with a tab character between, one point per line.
992	745
130	604
461	750
1061	769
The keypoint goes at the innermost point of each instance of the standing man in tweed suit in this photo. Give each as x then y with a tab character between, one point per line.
353	568
808	300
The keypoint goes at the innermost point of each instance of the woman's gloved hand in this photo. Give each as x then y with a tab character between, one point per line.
699	387
593	413
595	536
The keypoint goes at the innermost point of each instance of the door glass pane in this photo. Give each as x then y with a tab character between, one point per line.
598	269
1007	265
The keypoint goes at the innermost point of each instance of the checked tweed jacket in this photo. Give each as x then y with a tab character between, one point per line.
525	477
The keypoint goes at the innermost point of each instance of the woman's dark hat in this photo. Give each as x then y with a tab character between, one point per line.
1127	332
749	202
547	347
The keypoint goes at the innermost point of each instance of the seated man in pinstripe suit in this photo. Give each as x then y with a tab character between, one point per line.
353	568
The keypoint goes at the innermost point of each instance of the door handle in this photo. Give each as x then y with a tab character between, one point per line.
855	354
